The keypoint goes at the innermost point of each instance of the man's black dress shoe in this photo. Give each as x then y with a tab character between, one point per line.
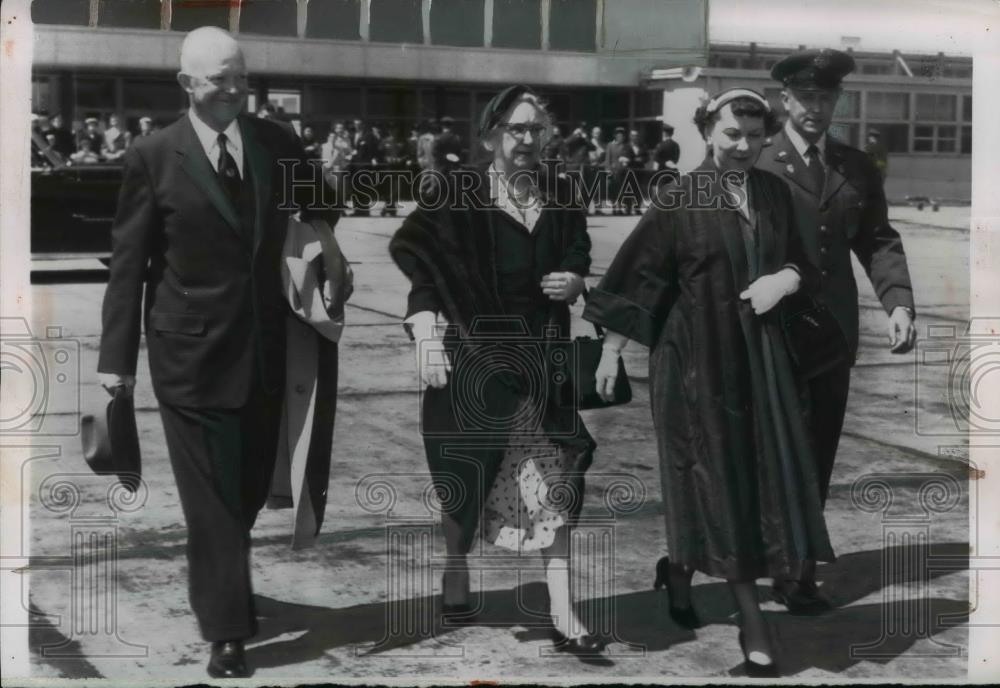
228	660
800	597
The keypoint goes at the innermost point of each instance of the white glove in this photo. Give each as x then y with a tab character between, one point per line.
765	292
607	373
433	363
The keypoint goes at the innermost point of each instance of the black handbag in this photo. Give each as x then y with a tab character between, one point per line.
812	335
576	371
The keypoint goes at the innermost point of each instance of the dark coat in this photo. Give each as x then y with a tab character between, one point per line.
849	214
214	305
739	484
616	150
449	256
666	151
366	149
637	156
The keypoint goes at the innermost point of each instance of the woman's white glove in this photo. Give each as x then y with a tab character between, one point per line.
607	373
765	292
433	363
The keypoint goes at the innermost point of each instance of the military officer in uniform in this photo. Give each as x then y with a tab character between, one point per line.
840	208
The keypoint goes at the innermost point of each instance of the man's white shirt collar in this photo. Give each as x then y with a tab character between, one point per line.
801	145
209	139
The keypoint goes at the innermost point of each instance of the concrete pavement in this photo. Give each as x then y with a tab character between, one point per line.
359	605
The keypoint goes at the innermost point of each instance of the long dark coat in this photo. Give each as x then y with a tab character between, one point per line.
450	257
739	483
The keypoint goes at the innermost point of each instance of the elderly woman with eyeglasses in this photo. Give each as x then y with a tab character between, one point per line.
699	281
495	256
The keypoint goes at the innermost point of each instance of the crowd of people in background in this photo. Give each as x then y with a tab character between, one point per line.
88	141
346	148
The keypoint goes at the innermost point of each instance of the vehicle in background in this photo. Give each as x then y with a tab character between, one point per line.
72	205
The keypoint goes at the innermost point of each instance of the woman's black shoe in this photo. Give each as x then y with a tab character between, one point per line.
755	670
686	617
460	611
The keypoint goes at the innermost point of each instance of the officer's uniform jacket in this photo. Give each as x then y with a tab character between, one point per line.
848	214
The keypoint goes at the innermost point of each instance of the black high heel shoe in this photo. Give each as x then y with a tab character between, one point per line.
685	617
755	669
460	611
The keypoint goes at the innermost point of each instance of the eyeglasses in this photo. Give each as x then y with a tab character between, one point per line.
518	131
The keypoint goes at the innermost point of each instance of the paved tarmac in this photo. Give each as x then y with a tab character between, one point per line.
359	605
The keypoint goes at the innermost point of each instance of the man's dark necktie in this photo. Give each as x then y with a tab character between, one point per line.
229	173
816	168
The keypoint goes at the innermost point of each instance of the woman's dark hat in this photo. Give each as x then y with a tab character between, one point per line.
111	441
813	70
498	105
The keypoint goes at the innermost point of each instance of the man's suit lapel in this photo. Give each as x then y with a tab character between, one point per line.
258	163
196	164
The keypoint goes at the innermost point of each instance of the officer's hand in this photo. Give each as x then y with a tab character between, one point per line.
765	292
902	331
562	286
109	381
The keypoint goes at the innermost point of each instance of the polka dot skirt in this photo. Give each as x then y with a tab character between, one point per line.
527	502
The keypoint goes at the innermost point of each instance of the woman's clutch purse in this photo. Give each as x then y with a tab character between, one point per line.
812	335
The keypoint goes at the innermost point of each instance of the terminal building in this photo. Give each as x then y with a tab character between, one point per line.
392	62
631	63
921	105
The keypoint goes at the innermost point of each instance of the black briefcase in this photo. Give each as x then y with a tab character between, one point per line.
812	335
111	443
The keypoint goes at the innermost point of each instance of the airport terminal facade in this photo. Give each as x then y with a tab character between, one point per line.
397	62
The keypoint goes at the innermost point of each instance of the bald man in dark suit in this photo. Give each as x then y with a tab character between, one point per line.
200	226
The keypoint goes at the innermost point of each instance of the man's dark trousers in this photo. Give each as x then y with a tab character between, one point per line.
222	460
828	394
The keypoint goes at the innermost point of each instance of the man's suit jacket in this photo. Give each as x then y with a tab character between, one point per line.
617	150
213	307
366	149
637	156
848	214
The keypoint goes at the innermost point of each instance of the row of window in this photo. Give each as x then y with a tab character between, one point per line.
909	138
928	67
76	97
907	122
516	23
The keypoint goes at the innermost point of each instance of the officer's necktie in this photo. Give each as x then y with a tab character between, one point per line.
816	168
229	173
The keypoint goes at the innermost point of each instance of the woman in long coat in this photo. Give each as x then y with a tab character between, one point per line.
698	281
492	272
